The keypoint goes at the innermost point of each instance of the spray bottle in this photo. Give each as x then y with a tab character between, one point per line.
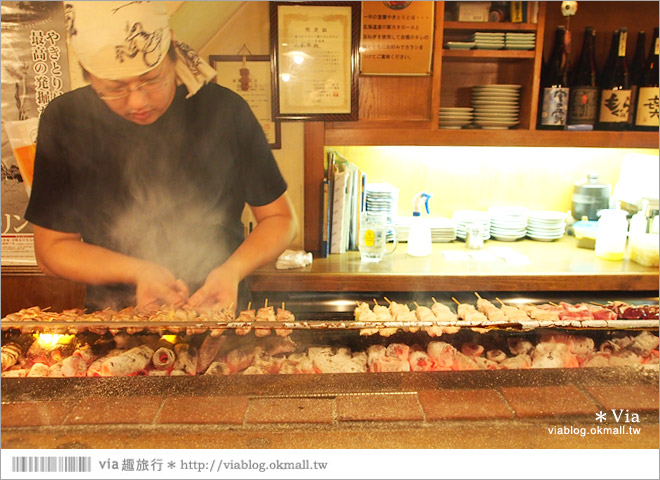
419	239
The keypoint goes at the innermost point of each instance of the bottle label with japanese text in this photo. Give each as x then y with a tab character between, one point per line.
647	107
583	107
614	105
555	106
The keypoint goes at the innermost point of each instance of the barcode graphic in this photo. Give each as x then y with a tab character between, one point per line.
51	464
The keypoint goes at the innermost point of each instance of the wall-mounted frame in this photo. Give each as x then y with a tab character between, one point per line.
315	61
250	77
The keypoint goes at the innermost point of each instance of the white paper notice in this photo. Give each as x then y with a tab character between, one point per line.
18	249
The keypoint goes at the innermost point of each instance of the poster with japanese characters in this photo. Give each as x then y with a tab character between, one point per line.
35	69
396	38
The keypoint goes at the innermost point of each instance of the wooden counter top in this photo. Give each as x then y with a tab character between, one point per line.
554	266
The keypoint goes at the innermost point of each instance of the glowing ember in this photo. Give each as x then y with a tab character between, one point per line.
169	338
50	340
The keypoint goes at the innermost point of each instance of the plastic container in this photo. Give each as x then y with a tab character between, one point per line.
611	234
419	238
644	249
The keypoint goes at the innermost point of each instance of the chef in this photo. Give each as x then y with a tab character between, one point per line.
141	177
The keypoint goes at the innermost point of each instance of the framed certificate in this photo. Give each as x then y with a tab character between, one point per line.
250	77
314	50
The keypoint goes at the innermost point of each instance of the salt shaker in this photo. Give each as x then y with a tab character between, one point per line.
474	238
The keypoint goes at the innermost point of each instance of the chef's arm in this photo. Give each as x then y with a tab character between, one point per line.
65	255
276	228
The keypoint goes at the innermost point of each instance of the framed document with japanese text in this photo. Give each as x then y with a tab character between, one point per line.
315	60
249	76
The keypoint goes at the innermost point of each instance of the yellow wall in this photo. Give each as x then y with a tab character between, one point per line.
479	177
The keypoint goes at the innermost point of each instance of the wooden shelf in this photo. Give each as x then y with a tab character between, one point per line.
554	266
487	54
481	26
390	134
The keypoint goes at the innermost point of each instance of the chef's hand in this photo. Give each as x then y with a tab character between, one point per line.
220	288
157	286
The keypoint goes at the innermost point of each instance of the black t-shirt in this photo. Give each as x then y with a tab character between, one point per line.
171	192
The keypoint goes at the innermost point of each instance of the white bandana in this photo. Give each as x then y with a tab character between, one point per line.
116	40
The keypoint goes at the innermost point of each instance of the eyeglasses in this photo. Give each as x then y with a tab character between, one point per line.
122	92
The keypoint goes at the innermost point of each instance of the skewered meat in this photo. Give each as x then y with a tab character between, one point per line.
284	316
493	313
364	314
264	314
383	315
470	314
633	312
127	363
245	316
443	313
401	313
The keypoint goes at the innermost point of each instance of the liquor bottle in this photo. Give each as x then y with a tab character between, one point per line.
647	98
636	69
553	98
583	103
615	87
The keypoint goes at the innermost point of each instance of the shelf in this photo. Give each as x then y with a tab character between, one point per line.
390	134
554	266
480	26
487	54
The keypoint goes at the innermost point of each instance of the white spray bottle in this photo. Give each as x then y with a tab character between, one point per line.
419	239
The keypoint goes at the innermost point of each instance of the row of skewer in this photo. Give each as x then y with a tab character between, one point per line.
383	319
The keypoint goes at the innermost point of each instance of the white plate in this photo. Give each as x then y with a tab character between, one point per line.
495	123
547	215
507	238
489	47
506	109
495	116
495	96
494	103
518	47
499	85
544	239
456	109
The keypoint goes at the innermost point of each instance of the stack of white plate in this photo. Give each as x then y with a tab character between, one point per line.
520	41
508	224
460	45
382	198
455	117
546	225
488	40
463	217
496	107
442	229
